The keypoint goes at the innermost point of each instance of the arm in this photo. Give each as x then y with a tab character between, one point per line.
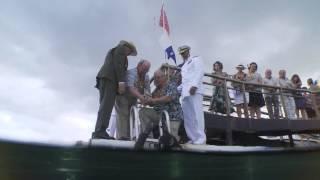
131	78
147	85
170	94
161	100
120	63
216	82
298	85
134	91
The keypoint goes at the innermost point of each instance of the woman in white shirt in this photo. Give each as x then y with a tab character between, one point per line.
238	92
256	100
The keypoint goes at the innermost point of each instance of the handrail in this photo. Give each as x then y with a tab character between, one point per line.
279	91
240	82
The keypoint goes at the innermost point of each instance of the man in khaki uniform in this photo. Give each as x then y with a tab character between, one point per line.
110	82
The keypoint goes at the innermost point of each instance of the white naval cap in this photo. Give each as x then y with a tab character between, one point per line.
183	49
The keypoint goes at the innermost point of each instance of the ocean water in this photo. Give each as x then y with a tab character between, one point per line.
33	161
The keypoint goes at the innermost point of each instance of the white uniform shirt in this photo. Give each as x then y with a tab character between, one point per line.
192	75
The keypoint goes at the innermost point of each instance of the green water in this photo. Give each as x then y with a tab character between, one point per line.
33	162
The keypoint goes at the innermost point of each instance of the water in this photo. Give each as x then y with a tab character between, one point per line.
27	161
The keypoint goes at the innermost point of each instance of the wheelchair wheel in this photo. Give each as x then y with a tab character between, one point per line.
164	123
134	123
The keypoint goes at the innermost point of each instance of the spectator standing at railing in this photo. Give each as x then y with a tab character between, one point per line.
271	99
220	94
239	94
192	96
289	104
299	100
256	100
312	85
137	87
315	95
309	105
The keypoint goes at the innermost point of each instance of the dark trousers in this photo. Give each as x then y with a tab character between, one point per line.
272	103
108	92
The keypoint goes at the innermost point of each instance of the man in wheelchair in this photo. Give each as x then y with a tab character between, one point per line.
164	97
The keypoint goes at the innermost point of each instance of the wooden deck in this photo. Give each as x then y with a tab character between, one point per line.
259	127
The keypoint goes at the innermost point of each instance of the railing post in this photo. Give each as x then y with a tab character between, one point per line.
228	106
315	105
246	113
283	104
227	99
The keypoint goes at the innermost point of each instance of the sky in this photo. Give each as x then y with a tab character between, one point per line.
51	51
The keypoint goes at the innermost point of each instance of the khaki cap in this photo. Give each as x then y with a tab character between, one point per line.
129	45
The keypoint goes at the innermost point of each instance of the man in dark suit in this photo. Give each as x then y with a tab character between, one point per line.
110	82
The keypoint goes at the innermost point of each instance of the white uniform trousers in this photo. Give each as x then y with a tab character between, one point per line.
194	118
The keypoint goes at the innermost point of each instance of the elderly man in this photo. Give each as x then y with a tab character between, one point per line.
110	81
192	96
164	97
138	87
272	100
287	97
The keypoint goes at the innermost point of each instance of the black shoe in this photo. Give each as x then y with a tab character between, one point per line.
99	135
124	139
183	140
140	142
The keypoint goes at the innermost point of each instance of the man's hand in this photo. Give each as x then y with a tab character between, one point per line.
193	90
142	100
149	101
121	87
145	100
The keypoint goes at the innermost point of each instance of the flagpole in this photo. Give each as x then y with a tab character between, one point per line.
164	39
163	31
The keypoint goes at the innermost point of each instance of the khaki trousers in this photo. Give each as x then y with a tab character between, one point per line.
122	106
150	118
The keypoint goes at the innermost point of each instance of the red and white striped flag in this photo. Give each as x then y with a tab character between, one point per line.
163	22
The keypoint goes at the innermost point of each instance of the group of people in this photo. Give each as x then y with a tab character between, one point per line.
253	96
179	92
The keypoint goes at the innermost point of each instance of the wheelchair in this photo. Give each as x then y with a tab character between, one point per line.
135	122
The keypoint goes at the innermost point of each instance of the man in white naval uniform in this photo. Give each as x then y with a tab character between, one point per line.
192	96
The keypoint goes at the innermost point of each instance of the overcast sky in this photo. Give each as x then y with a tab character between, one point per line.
51	51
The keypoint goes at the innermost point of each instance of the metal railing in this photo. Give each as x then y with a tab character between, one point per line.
312	98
